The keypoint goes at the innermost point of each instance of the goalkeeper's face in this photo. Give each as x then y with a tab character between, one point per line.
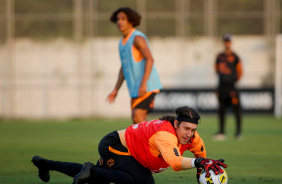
184	131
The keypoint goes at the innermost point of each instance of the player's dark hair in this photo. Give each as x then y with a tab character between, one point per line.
168	118
182	111
187	111
132	16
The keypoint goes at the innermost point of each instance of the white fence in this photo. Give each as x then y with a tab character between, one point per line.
61	79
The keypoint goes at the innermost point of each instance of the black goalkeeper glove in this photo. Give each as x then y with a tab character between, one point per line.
208	164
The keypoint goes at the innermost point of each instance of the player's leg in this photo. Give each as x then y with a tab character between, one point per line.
237	110
238	113
141	106
221	112
45	165
129	172
220	135
102	175
139	115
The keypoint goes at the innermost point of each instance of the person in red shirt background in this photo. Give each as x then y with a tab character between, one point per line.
134	154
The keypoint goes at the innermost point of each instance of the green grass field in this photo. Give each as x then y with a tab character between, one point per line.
255	159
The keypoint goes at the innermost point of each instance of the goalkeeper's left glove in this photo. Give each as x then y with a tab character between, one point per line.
208	164
199	170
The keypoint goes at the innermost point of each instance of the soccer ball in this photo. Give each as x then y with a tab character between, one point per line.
221	178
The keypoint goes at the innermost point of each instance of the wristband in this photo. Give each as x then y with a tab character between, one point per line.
193	163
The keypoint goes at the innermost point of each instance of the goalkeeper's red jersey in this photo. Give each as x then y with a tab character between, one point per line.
154	144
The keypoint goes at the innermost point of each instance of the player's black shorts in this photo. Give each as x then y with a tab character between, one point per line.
117	165
228	95
112	152
145	102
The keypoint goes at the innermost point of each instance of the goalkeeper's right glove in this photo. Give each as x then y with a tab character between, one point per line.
208	164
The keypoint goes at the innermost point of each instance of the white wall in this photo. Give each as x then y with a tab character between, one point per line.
60	79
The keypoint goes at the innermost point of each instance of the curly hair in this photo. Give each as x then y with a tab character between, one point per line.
183	111
132	16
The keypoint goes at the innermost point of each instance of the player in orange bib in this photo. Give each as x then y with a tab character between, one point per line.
134	154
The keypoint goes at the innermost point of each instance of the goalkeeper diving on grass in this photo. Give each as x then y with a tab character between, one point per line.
134	154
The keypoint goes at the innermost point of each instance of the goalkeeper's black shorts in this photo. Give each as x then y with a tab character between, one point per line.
117	166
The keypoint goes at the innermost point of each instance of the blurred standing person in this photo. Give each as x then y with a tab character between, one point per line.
137	65
229	71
